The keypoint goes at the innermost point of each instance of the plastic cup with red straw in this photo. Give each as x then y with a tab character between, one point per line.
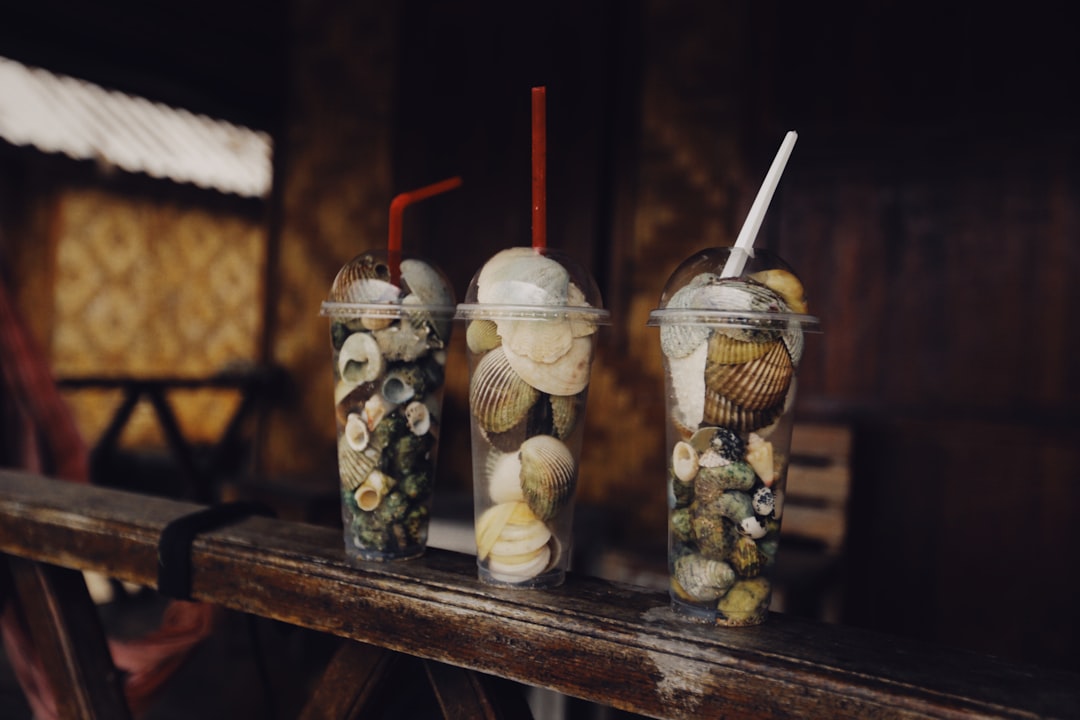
390	322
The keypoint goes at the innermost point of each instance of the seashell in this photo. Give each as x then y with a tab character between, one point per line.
433	327
759	453
376	322
426	286
508	440
353	466
786	285
686	379
745	558
764	502
490	524
746	602
517	568
756	385
356	432
403	341
565	411
519	539
375	409
726	350
681	525
504	478
718	445
360	359
712	482
702	579
371	492
677	340
542	340
548	475
418	417
684	461
568	375
580	323
753	527
734	505
714	534
521	276
498	398
403	383
719	410
481	336
364	279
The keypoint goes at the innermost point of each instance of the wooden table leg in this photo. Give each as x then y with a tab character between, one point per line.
351	683
466	695
66	631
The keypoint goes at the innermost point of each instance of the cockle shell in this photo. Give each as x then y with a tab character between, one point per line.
726	350
568	375
565	411
482	335
719	410
759	384
364	279
701	579
786	285
498	397
548	475
684	461
360	359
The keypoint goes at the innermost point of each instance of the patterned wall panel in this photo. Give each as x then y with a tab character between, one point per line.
146	288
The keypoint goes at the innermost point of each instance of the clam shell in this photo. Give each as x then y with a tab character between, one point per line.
726	350
504	478
580	324
548	475
482	335
360	359
521	276
702	579
568	375
492	521
755	385
719	410
498	397
541	340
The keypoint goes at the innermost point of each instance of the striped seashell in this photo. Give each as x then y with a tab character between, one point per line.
565	411
719	410
702	579
548	475
364	279
481	336
758	384
498	398
677	340
726	350
786	285
354	467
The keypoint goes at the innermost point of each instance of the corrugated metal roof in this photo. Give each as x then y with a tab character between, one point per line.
60	114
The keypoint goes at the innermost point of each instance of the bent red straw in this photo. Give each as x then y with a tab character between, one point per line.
397	209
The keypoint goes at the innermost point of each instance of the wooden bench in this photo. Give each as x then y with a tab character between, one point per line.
609	643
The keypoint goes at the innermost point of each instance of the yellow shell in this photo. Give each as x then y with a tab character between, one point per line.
719	410
726	350
498	398
759	384
548	475
786	286
481	336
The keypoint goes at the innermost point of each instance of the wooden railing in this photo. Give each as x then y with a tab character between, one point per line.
614	644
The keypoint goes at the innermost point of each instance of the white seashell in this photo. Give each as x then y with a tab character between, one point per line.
376	322
764	502
360	359
403	341
521	276
753	527
398	388
686	376
356	432
520	539
375	409
418	417
509	571
580	323
568	375
678	340
544	341
504	478
684	461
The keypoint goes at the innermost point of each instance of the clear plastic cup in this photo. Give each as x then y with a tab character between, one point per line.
731	350
531	321
389	328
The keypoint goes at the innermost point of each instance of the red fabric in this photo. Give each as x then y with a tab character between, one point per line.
48	441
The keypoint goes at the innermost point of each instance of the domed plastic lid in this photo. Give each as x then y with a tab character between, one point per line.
766	294
366	287
533	283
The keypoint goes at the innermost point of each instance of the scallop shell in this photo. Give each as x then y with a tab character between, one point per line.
482	335
353	466
360	359
568	375
719	410
702	579
542	340
755	385
726	350
498	397
548	475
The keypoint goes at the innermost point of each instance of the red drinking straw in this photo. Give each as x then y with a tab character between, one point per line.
397	209
539	168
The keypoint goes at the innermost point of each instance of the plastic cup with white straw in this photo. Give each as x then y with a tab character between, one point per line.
732	324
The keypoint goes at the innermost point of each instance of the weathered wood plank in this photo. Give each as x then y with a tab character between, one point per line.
614	644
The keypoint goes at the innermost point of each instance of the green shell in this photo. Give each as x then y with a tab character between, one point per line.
711	482
713	533
682	527
745	557
703	579
746	603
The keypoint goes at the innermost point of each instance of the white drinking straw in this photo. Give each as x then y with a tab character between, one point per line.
745	242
